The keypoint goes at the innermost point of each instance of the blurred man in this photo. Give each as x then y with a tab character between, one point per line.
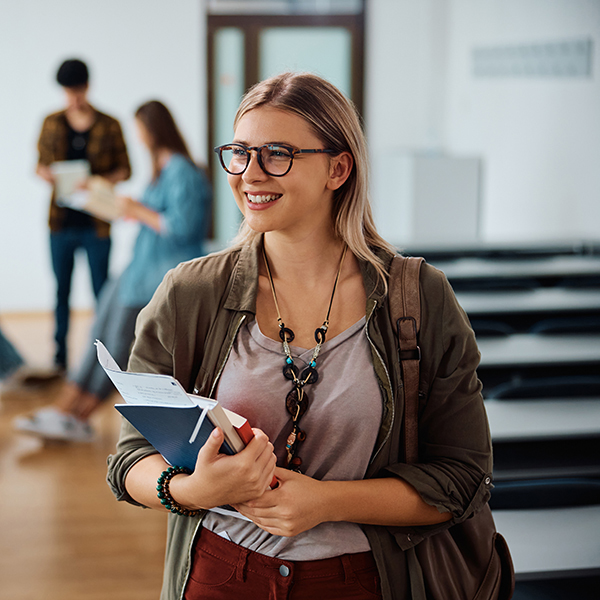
78	132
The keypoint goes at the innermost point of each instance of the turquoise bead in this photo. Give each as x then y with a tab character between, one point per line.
289	361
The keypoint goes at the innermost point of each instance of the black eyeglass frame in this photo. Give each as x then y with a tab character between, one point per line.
257	149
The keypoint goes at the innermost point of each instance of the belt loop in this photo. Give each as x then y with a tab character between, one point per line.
240	569
348	570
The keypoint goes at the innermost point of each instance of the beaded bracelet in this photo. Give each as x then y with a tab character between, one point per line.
164	495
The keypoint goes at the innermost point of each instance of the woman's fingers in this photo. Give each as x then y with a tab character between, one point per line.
295	506
223	479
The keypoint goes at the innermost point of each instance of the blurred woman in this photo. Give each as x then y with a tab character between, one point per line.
174	216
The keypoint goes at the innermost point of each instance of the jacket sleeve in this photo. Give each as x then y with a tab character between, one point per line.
185	218
120	157
45	143
151	353
455	455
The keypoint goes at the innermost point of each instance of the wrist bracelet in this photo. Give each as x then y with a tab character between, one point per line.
164	494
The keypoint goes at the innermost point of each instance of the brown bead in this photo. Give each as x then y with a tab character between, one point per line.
296	461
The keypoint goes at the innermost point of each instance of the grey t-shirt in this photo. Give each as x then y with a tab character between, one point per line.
341	425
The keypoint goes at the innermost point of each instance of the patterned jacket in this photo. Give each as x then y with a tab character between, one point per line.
106	153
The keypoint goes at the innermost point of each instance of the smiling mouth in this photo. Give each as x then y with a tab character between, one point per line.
262	199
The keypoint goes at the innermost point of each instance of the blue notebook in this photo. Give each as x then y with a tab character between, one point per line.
170	428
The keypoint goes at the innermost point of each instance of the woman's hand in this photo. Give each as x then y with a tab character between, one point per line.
296	505
223	479
300	503
132	209
127	207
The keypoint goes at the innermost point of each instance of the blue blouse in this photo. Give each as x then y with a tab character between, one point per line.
182	196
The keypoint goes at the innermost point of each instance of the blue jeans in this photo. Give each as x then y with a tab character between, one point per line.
114	326
10	359
63	245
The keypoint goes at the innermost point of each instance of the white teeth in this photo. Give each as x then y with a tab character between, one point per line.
262	199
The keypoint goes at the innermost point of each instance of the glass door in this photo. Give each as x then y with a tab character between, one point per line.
325	51
228	87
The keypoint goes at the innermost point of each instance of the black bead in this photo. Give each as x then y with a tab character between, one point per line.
289	371
320	334
309	375
286	334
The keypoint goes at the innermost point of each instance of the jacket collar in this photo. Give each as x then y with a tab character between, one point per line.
373	285
244	286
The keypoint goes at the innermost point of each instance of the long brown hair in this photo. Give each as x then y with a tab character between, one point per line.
335	121
162	131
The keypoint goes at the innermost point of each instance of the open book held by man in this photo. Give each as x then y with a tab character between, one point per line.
75	189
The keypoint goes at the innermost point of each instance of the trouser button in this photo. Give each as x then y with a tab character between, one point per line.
284	570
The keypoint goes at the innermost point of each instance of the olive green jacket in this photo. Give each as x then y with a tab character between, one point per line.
187	331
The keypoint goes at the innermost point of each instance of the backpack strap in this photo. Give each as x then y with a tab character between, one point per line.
405	312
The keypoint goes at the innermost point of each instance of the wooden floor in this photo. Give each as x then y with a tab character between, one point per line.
63	536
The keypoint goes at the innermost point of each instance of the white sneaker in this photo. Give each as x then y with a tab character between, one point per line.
51	424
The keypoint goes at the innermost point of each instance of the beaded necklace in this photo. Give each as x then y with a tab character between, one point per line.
296	401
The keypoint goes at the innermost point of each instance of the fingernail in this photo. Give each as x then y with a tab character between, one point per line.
215	433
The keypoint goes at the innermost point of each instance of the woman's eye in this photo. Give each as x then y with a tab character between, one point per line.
278	153
239	152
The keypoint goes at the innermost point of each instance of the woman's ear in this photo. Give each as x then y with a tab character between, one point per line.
340	168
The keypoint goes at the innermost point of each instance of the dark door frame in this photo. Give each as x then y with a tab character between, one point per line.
252	25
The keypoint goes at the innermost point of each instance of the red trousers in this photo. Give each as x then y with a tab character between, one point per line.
222	570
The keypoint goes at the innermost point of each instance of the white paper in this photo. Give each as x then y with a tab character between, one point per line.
143	388
68	174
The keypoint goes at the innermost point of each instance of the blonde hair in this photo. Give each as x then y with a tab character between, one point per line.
335	121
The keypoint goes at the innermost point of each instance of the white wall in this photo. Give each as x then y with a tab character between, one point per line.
136	50
539	138
404	101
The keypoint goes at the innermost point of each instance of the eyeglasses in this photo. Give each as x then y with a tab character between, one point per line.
274	159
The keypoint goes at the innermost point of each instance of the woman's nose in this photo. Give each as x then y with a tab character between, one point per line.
254	171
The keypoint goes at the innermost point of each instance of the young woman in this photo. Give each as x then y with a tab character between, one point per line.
174	214
290	328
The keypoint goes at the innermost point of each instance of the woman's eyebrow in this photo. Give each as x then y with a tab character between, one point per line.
244	143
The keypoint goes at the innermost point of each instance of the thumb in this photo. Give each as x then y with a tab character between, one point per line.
213	443
283	474
209	453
